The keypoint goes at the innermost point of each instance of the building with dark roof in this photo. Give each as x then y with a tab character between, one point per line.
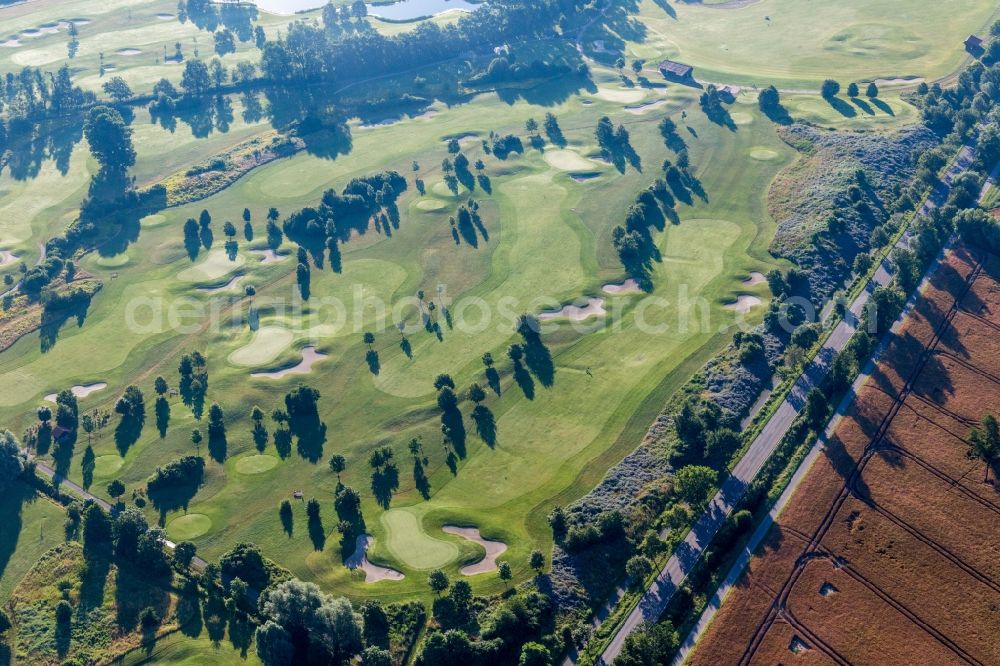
676	70
973	44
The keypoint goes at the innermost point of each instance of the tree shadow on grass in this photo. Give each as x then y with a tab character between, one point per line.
384	482
842	107
420	480
882	106
486	425
523	379
58	312
162	415
863	105
493	379
177	497
11	504
127	432
287	519
317	535
374	365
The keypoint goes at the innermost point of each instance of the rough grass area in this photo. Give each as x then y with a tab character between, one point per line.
29	525
106	605
909	555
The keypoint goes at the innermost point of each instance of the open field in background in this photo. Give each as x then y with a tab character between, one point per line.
903	563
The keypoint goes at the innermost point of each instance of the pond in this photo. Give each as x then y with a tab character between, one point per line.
398	11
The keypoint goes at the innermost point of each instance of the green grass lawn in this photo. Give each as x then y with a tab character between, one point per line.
178	649
794	44
29	525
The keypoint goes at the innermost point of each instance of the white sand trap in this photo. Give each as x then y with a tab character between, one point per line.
648	106
595	306
164	16
79	21
741	118
268	256
80	391
49	29
31	33
493	549
629	286
359	560
568	160
744	303
109	67
584	177
10	43
128	52
309	357
212	268
6	257
763	154
226	287
620	95
899	81
755	278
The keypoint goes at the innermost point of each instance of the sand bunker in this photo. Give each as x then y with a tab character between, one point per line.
164	16
493	549
755	278
268	256
620	95
11	43
568	160
741	118
899	81
629	286
744	303
226	287
359	560
763	154
309	357
128	52
584	177
648	106
80	391
6	257
595	306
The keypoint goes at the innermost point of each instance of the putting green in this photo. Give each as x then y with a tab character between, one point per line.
153	220
105	466
412	545
256	464
568	160
214	266
763	154
267	344
188	526
116	261
741	118
431	205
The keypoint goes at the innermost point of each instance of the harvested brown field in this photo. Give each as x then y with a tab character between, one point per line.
889	553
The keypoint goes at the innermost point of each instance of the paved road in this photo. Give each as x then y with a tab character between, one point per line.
687	554
60	480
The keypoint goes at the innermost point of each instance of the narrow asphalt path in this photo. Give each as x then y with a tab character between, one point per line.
687	554
60	481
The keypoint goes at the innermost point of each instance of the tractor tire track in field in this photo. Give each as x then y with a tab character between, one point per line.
814	547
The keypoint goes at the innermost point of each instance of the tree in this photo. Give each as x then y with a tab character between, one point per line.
852	89
229	229
196	438
651	645
637	568
160	385
984	443
274	645
531	125
829	88
816	408
376	656
769	99
359	9
871	90
438	581
184	553
110	139
536	561
476	393
195	79
64	612
694	482
338	464
534	654
637	66
116	489
12	459
504	572
117	89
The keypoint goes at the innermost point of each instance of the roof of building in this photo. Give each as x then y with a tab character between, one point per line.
675	68
59	432
973	41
